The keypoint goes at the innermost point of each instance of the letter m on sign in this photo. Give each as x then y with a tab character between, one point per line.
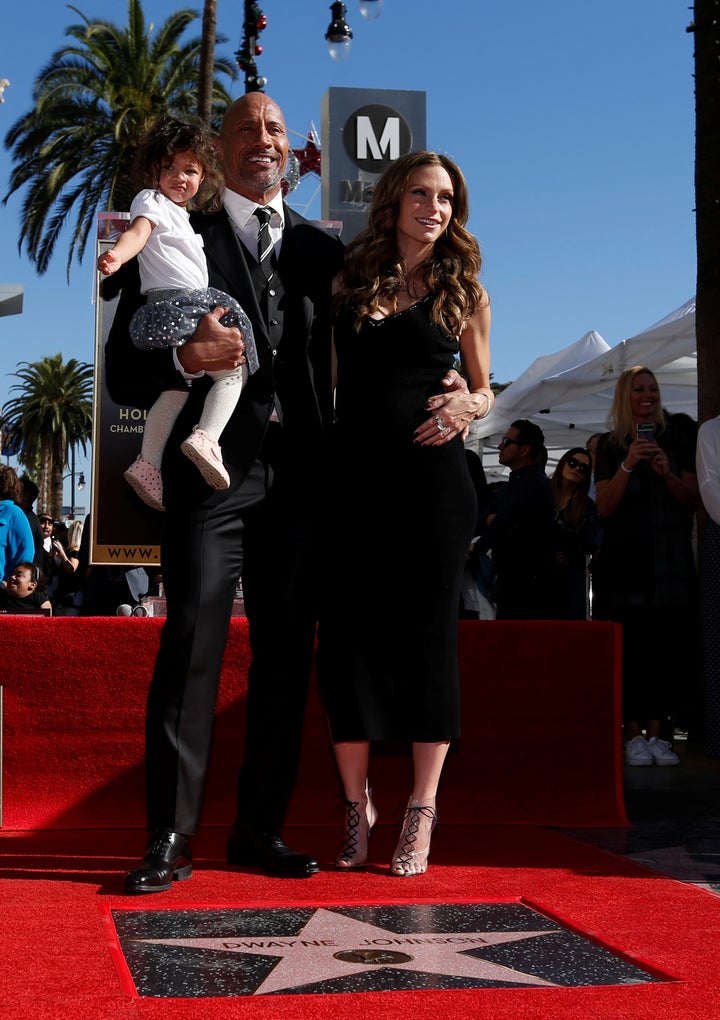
368	146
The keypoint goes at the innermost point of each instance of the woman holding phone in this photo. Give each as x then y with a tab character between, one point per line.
644	576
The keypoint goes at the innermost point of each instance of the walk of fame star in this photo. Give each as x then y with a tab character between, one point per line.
344	949
316	957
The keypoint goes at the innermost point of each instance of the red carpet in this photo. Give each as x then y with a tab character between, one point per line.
73	732
56	962
74	706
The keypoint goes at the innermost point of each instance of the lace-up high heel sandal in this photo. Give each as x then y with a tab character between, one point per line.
411	859
358	826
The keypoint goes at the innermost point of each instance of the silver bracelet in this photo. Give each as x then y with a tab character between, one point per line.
628	471
488	409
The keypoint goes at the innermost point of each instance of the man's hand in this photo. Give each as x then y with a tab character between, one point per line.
441	428
453	383
214	347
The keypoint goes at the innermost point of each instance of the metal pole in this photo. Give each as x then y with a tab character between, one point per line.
72	482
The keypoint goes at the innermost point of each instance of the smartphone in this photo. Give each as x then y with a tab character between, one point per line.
646	430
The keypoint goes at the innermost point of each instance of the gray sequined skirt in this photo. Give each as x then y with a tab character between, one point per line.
170	318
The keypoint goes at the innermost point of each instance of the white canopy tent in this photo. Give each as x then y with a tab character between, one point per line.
569	394
11	298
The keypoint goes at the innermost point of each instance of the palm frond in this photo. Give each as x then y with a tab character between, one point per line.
72	153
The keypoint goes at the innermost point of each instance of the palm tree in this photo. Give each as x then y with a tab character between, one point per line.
51	416
74	150
207	60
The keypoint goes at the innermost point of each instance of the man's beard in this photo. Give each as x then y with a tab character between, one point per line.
270	180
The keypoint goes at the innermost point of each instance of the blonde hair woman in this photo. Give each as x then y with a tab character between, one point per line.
644	576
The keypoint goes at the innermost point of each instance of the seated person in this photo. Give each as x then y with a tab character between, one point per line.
20	593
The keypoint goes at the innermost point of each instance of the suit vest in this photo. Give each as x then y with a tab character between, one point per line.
270	295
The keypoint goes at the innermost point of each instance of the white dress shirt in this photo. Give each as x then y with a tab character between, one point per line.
708	466
241	211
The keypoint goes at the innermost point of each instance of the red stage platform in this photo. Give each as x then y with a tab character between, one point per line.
541	738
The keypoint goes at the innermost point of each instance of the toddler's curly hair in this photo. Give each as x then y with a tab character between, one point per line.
168	136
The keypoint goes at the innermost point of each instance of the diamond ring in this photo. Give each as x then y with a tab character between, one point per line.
438	422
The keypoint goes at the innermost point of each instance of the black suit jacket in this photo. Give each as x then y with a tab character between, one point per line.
299	371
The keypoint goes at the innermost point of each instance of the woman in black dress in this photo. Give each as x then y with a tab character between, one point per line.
408	303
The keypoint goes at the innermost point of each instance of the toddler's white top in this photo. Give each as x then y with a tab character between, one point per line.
173	257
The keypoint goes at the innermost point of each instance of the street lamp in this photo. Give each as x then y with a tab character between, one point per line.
339	34
80	482
370	9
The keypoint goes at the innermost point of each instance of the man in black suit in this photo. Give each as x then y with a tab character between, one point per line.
265	526
519	527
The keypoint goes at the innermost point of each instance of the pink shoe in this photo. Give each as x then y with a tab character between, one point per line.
206	455
146	480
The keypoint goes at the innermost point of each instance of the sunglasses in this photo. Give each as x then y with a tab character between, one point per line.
578	465
507	441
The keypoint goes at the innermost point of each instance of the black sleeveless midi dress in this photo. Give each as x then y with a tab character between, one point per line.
403	518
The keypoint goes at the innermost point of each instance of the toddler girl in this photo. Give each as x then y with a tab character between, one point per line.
174	161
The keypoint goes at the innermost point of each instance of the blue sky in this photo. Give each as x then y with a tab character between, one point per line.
572	120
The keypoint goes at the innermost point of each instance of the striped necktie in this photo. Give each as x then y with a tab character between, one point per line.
264	241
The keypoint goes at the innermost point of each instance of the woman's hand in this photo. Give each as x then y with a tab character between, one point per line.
63	556
641	450
660	463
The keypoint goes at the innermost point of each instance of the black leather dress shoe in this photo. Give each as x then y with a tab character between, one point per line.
266	850
167	858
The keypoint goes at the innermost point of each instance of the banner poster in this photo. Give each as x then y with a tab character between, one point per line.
124	531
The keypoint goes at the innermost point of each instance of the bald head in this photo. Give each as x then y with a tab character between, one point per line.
253	147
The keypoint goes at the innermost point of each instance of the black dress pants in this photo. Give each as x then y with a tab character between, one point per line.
269	541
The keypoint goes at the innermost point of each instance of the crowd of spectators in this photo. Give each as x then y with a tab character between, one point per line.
611	535
45	562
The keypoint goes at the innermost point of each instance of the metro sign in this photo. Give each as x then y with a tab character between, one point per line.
375	136
364	131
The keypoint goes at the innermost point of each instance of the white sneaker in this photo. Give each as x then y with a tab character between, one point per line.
637	752
661	751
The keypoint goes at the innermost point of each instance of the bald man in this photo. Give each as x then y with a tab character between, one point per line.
264	527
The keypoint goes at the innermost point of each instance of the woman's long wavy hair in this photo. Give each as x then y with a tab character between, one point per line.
578	505
620	419
374	271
